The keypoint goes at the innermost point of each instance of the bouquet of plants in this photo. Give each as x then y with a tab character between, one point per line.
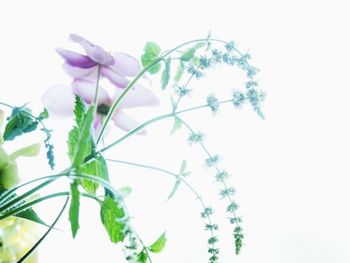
94	109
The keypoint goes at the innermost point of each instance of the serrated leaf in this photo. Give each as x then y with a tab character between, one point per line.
159	245
142	257
95	167
112	217
79	110
177	125
188	55
19	122
151	53
179	71
166	74
81	149
43	115
74	208
30	214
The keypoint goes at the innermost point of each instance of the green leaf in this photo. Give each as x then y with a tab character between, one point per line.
43	115
200	45
19	122
74	208
180	71
79	110
166	74
81	149
159	245
177	182
29	151
142	257
29	214
151	53
95	167
188	55
112	217
177	125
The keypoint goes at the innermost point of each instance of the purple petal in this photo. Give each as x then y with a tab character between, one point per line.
86	90
125	64
96	53
59	100
75	59
77	72
114	77
126	123
138	97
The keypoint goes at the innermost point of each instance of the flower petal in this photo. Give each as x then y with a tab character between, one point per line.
116	79
96	53
125	64
75	59
137	97
59	100
87	89
126	123
77	72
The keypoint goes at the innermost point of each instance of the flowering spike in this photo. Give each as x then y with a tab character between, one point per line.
211	227
230	46
195	138
238	235
238	98
213	103
183	91
212	160
227	192
232	207
235	220
205	62
221	176
212	240
207	212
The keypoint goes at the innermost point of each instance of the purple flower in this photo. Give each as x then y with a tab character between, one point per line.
116	68
59	101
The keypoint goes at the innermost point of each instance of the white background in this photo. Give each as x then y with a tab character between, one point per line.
291	170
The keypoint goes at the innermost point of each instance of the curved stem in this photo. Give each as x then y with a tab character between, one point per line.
143	71
23	258
153	120
204	206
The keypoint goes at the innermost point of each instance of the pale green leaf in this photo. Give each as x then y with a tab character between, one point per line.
166	74
30	214
151	53
177	125
188	55
159	244
179	71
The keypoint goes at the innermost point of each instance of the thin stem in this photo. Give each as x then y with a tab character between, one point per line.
153	120
7	105
97	87
143	71
204	206
22	259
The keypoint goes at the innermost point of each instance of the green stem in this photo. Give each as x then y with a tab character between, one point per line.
22	259
158	118
143	71
204	206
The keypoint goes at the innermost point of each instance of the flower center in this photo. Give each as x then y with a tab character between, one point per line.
103	109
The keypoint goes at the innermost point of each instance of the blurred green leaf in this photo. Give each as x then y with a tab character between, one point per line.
177	125
166	74
188	55
151	53
142	257
29	214
159	245
179	71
